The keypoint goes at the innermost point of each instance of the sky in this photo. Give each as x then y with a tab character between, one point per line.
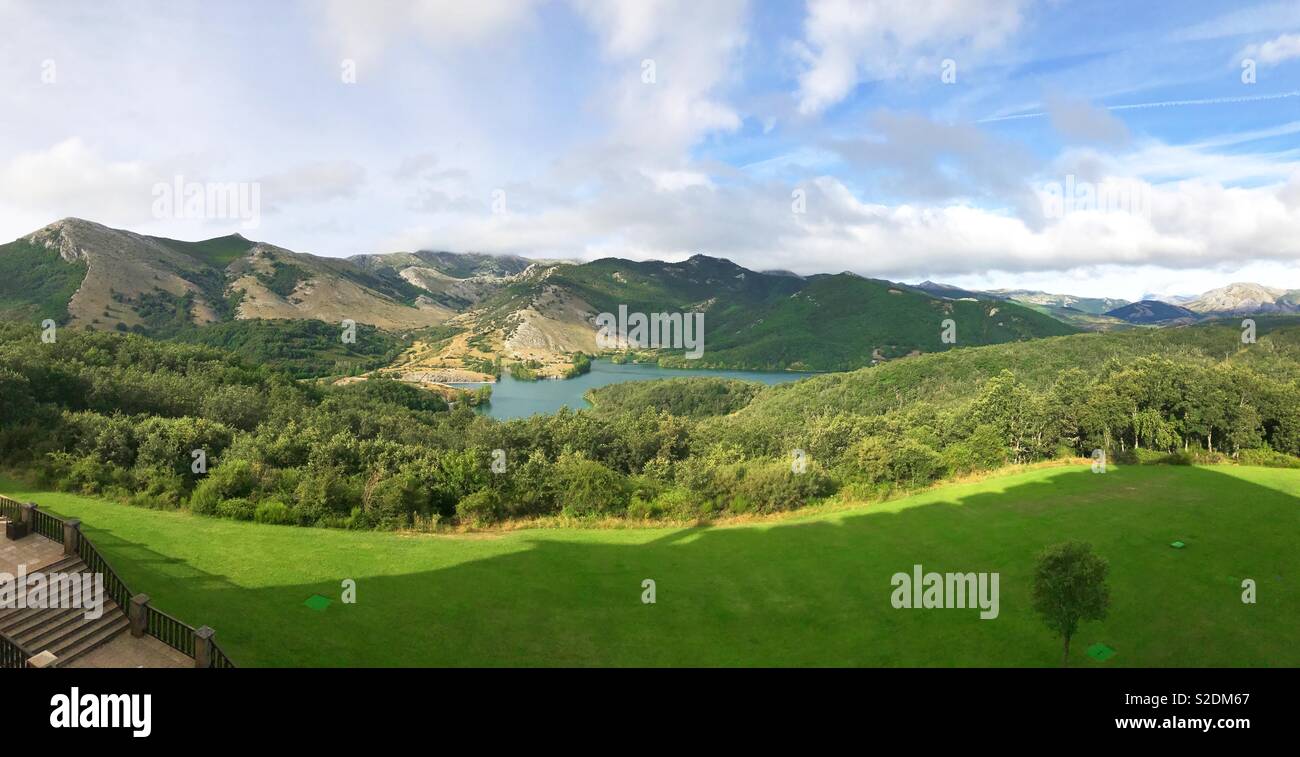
1094	148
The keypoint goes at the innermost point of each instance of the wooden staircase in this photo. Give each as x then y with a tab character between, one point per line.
67	633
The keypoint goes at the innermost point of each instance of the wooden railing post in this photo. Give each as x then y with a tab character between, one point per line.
138	615
203	647
71	536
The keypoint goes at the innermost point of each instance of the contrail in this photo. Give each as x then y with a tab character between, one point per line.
1162	104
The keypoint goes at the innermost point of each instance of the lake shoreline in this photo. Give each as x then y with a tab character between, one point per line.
515	398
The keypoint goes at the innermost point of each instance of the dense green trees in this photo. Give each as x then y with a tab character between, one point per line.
123	415
690	397
302	348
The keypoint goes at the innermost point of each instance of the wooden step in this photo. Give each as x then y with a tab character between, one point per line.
51	633
11	616
105	630
32	619
67	564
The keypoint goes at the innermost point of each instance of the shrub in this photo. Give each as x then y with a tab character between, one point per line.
588	488
676	503
84	475
902	461
480	508
640	509
205	498
1269	458
239	509
233	480
163	488
773	487
325	492
984	449
274	512
393	500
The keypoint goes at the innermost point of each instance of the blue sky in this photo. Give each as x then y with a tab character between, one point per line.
905	140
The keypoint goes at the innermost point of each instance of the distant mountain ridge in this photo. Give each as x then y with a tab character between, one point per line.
1087	313
1090	305
1103	313
490	307
1146	312
1246	298
132	281
541	313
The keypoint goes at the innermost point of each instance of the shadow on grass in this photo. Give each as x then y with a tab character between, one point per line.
812	593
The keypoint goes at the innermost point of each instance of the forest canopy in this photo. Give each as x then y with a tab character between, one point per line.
121	415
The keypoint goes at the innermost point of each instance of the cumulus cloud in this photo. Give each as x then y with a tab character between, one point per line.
594	160
1283	48
671	58
848	41
1180	225
74	178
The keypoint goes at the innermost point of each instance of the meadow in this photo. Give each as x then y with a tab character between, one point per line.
810	589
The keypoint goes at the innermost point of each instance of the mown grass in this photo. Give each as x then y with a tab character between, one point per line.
811	590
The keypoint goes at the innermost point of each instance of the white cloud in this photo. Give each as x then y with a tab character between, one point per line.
847	41
76	178
1283	48
1191	225
73	178
362	30
1255	19
690	47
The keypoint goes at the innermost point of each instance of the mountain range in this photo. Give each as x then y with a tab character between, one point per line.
1100	313
464	315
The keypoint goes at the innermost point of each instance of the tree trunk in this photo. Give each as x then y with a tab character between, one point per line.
1065	659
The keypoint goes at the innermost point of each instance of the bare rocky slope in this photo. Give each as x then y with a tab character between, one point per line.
495	310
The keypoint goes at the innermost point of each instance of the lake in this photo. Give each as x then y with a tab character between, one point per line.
512	398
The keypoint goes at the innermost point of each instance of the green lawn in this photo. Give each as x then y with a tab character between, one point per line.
813	590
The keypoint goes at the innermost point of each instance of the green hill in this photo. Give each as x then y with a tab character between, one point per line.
845	321
36	283
654	286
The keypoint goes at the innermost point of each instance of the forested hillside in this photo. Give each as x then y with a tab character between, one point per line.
844	321
122	415
537	315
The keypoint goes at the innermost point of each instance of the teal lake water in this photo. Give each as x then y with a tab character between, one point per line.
520	399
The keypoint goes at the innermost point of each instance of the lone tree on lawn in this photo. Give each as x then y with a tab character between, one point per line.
1070	587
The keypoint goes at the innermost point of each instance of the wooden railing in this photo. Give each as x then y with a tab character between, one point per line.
174	633
12	654
114	586
11	509
169	630
49	526
219	658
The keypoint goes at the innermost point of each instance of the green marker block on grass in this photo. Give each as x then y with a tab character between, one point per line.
1100	652
317	602
1177	544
